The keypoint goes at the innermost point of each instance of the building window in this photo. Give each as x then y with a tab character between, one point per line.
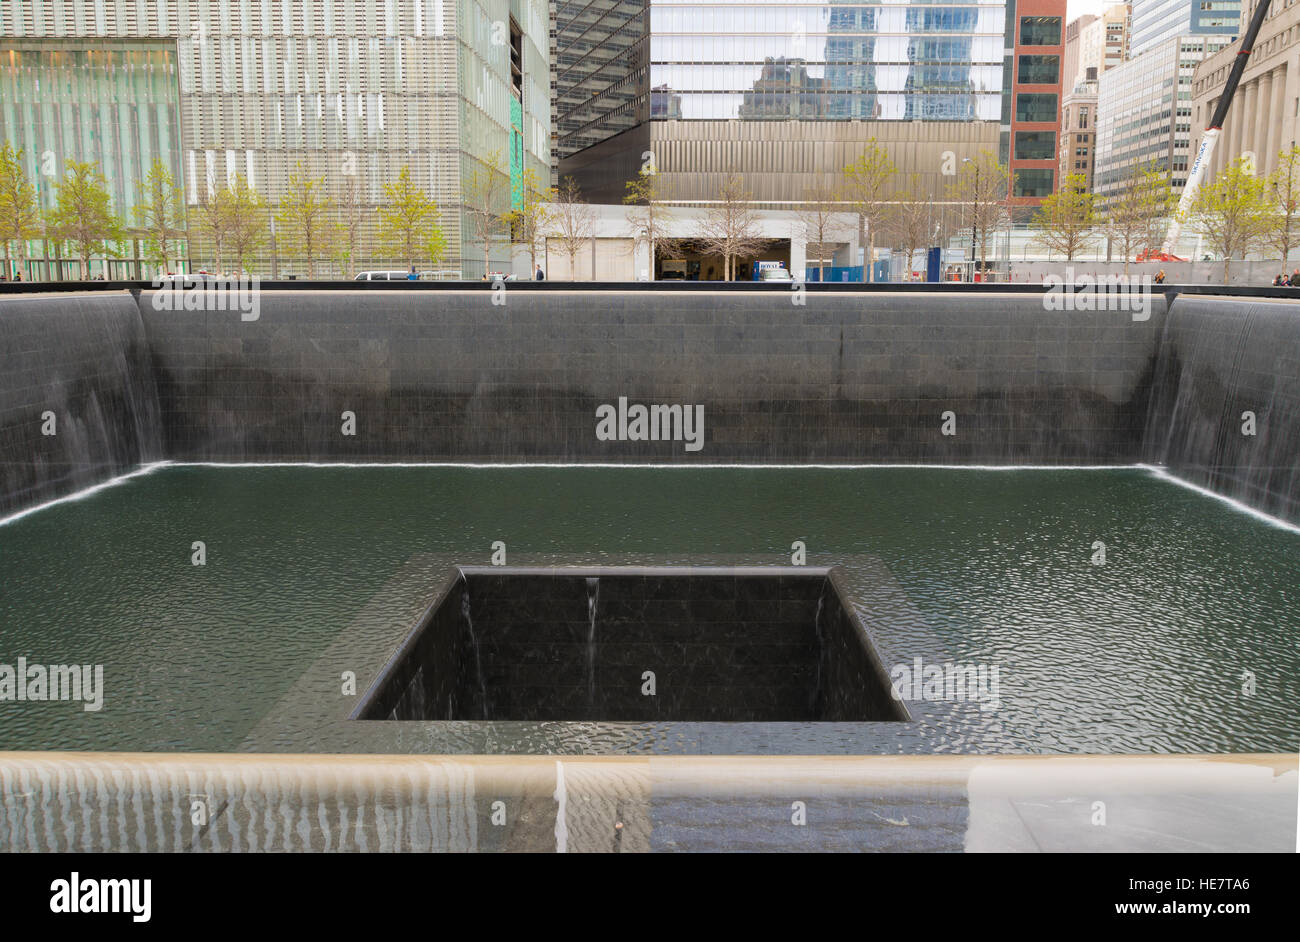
1035	145
1040	31
517	58
1083	117
1039	70
1034	183
1035	106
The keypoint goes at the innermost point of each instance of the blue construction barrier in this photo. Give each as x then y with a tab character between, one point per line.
847	273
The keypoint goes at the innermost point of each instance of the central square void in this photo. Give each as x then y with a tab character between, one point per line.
700	644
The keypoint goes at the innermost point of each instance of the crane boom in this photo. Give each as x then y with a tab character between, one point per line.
1211	135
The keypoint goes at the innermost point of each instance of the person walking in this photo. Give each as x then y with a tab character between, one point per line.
1160	277
541	275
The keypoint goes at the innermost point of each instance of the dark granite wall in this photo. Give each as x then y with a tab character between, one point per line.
85	359
846	377
447	375
1220	358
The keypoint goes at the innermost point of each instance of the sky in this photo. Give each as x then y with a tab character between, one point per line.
1077	8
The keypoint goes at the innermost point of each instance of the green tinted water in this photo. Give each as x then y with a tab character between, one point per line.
1147	653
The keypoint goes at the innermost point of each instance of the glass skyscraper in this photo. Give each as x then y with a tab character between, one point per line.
787	93
354	90
1155	21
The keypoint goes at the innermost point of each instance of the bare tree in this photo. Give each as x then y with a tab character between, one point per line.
574	222
818	216
487	203
909	221
353	217
1135	213
649	216
866	188
247	218
212	218
983	183
730	227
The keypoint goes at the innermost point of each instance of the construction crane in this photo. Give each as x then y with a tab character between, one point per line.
1208	140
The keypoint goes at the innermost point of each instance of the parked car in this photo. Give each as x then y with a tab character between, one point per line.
774	274
383	276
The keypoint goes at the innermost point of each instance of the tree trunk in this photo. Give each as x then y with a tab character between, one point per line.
9	271
862	243
869	259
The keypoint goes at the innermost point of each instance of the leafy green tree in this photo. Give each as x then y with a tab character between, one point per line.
1065	221
83	214
304	218
1284	188
529	221
20	217
865	188
408	223
159	216
1233	212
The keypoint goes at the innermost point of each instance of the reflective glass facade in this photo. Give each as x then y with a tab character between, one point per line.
780	61
116	106
1155	21
620	63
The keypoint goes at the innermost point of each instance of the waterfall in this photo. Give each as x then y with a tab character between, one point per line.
83	360
1225	401
478	655
593	595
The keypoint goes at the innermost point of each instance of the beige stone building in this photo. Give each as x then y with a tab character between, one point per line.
1262	118
1073	42
1079	131
1103	43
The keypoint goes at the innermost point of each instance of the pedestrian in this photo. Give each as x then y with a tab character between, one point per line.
412	276
541	275
1160	277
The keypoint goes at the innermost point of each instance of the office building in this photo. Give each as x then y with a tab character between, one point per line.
351	90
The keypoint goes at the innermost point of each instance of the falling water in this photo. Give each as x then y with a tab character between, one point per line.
478	657
1217	363
593	594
